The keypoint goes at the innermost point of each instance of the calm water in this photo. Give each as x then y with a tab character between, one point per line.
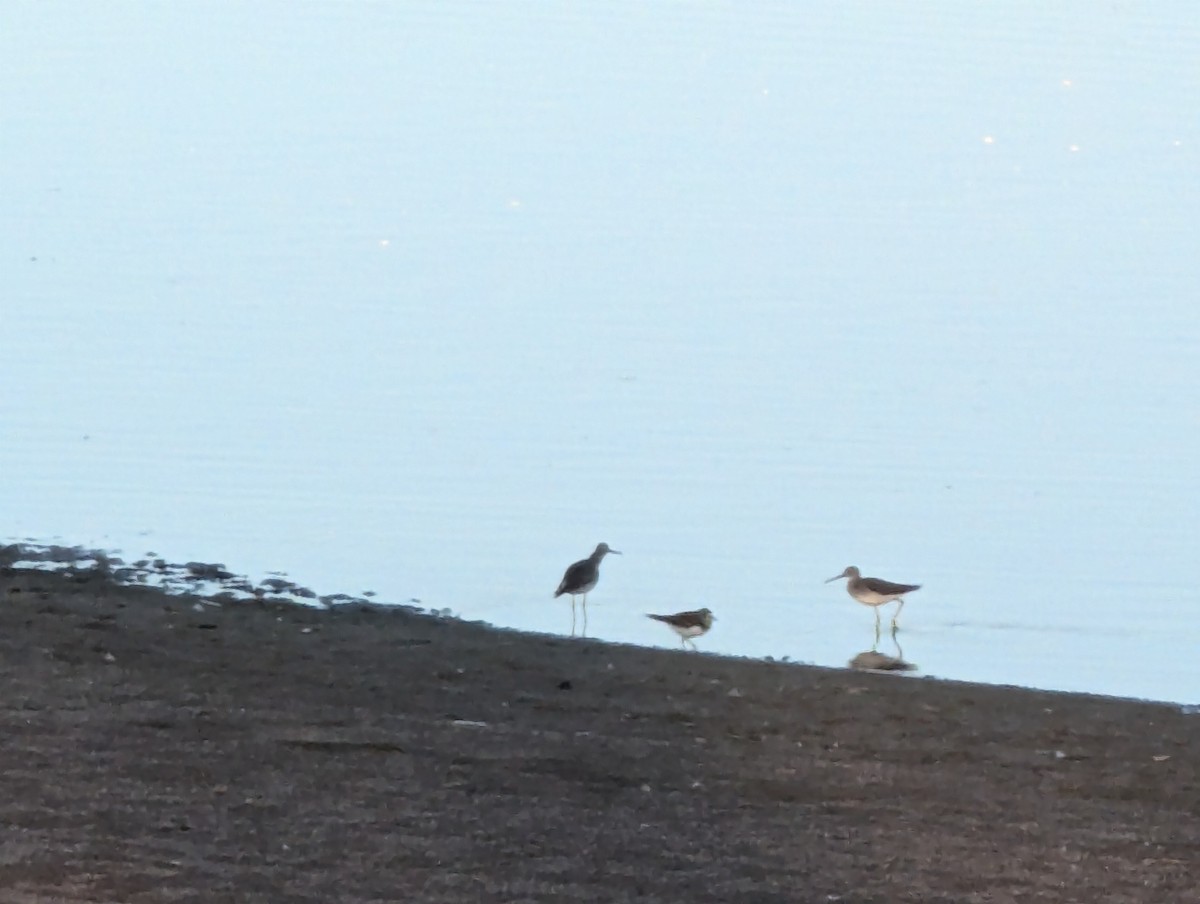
429	298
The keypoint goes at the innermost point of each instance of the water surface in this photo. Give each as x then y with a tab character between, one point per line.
431	298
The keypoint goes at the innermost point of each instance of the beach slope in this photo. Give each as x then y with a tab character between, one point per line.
160	750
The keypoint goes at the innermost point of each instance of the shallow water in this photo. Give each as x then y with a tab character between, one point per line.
429	299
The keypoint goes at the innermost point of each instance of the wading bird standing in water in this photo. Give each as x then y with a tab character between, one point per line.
582	577
874	592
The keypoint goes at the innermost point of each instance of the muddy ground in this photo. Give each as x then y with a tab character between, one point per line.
155	751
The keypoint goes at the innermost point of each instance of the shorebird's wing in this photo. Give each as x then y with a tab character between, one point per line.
575	576
887	588
681	619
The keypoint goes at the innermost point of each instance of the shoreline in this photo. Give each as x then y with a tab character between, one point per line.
215	584
163	748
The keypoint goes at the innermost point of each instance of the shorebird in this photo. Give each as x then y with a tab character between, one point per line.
687	624
874	591
582	577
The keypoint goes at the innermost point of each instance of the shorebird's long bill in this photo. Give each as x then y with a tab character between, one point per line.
835	578
614	552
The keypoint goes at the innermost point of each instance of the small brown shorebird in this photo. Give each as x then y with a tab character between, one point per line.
687	624
874	592
582	577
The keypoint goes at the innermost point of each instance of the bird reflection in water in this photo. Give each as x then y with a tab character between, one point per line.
873	661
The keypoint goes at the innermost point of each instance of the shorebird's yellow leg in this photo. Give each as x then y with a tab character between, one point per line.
897	615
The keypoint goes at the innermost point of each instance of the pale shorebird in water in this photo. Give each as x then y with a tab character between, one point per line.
582	577
874	592
687	624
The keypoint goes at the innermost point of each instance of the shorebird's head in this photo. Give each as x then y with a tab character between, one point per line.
850	572
707	617
604	549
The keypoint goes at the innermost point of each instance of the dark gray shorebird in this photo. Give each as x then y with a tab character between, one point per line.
582	577
874	592
687	624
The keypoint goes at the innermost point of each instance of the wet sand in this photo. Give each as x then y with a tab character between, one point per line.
159	750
